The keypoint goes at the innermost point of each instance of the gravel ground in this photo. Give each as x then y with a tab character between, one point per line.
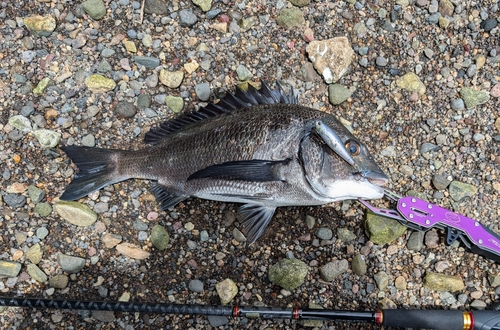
422	138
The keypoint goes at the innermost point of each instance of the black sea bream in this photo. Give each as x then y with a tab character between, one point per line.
255	147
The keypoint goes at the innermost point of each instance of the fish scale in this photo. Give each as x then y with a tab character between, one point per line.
256	147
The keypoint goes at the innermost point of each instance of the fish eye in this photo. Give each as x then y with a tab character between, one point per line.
353	147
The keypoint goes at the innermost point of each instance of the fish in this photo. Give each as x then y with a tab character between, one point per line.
257	147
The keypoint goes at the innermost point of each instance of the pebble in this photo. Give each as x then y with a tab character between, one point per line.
381	61
441	282
288	273
132	251
125	109
238	235
203	91
411	83
47	138
428	147
42	232
9	268
217	321
36	273
111	240
21	123
400	283
14	201
146	61
431	239
94	8
187	18
460	190
99	84
70	264
75	213
40	26
382	280
226	290
440	181
290	18
457	104
489	24
159	237
171	79
43	209
338	94
382	230
324	233
243	73
59	281
473	97
36	194
103	316
389	151
495	90
174	103
345	235
34	253
333	269
196	286
358	265
331	57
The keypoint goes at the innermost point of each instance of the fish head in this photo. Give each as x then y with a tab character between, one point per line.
332	177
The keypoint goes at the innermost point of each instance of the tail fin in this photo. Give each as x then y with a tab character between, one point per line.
96	169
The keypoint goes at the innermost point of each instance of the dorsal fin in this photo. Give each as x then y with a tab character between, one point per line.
230	102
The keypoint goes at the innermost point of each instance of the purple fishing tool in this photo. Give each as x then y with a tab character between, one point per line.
419	214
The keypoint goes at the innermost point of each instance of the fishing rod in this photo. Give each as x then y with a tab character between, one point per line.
412	318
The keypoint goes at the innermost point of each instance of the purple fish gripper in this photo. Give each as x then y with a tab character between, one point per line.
421	215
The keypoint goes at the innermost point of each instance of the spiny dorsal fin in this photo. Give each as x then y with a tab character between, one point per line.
230	102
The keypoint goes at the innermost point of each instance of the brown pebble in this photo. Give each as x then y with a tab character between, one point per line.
431	239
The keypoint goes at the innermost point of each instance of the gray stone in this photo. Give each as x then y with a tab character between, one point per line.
202	91
382	280
331	57
187	18
42	232
290	18
47	138
345	235
473	97
358	264
243	73
428	147
457	104
196	286
333	269
59	281
217	321
103	316
148	62
143	101
36	273
34	253
14	201
338	93
70	264
288	273
488	24
107	52
324	233
416	241
159	237
381	61
174	103
94	8
158	7
21	123
9	268
226	290
440	181
36	194
125	109
460	190
76	213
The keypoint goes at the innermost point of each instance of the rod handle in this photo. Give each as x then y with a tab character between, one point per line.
441	319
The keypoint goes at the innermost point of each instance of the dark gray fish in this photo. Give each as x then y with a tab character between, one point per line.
256	147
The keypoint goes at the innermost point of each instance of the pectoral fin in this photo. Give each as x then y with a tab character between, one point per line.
246	170
254	219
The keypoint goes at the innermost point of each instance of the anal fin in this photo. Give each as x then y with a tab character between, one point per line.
166	197
254	219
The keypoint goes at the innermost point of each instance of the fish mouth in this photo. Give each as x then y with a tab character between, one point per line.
376	178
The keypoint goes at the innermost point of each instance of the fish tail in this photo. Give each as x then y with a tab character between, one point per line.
97	168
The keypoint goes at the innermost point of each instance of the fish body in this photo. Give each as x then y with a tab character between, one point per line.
258	147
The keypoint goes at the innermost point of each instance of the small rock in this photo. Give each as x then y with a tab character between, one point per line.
36	194
9	268
125	109
494	280
146	61
400	283
75	213
14	201
446	8
70	264
382	280
36	273
457	104
382	230
42	232
196	286
99	84
41	86
459	190
217	321
43	209
290	18
428	147
174	103
440	282
331	57
415	242
489	24
47	138
132	251
103	316
386	303
478	304
94	8
159	237
381	61
440	181
40	26
345	235
389	151
204	5
411	83
495	90
338	93
171	79
112	240
59	281
202	91
226	290
191	66
243	73
129	46
288	273
34	253
21	123
333	269
431	239
473	97
358	264
187	18
324	233
238	235
441	266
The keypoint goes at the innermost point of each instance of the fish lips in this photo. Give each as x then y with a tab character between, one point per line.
377	178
